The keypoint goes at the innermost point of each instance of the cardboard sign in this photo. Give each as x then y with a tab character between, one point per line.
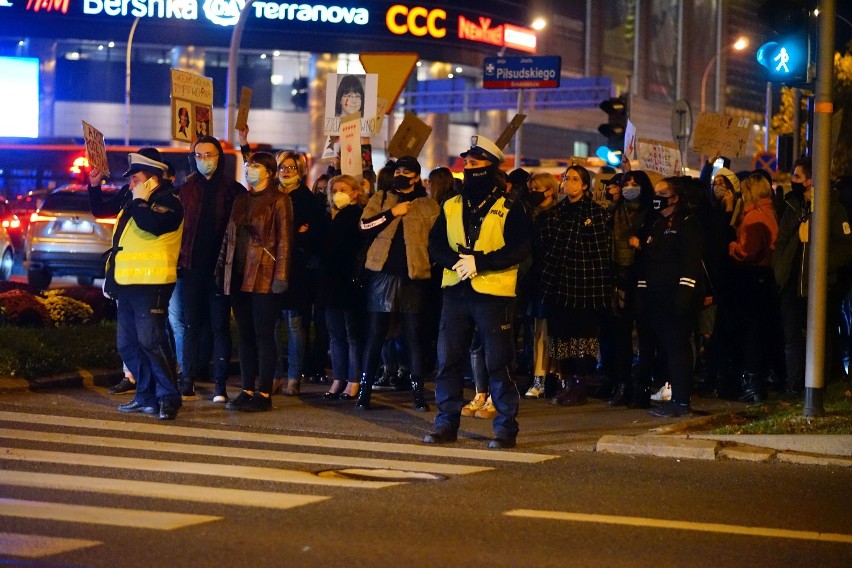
630	140
242	112
393	70
192	106
721	133
659	156
348	94
350	145
513	127
95	148
410	137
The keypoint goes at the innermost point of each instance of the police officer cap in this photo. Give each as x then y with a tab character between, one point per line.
145	160
484	149
410	163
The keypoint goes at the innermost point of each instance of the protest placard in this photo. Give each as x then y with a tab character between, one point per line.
659	156
243	110
350	145
721	133
192	105
410	137
95	148
348	94
510	130
630	140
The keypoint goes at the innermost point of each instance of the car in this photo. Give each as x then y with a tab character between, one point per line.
12	223
65	239
7	254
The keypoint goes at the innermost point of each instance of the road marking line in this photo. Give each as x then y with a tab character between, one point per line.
241	453
156	520
35	546
154	490
681	525
189	468
221	435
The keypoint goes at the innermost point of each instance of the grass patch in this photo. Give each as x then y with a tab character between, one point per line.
780	417
39	352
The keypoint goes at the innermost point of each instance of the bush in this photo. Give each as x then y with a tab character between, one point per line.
64	310
21	308
29	352
7	285
102	307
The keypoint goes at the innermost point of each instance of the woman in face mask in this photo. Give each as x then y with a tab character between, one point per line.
574	244
339	292
670	291
254	269
399	270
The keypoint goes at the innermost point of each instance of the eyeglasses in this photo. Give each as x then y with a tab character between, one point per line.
288	168
205	156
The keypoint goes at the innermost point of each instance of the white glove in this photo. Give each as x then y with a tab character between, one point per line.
466	266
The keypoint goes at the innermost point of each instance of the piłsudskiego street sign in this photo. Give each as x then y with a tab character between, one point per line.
522	72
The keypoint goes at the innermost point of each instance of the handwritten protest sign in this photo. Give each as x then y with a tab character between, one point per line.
410	137
630	140
348	94
95	148
243	110
350	145
192	105
510	130
659	156
723	133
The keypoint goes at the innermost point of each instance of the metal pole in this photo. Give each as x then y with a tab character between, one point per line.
818	278
704	89
720	45
231	97
679	57
127	83
797	123
767	116
520	128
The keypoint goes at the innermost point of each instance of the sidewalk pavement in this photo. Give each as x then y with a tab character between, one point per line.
591	427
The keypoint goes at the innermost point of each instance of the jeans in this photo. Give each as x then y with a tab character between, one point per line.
463	310
177	323
256	316
204	310
344	335
143	344
296	341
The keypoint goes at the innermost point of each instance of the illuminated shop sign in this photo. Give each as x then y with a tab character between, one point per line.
221	12
45	5
419	21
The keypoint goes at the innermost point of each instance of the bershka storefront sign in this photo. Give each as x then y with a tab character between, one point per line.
226	12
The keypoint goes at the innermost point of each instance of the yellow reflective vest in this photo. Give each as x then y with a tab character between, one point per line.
145	258
497	282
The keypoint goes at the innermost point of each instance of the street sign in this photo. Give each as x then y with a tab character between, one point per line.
765	161
393	70
522	72
681	120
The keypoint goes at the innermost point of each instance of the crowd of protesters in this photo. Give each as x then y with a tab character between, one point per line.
629	281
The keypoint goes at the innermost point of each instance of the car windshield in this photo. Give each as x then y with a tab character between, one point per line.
77	201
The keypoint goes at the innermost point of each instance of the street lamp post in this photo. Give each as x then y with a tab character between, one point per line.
127	83
231	89
739	45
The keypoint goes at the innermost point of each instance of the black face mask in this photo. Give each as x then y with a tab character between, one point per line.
797	187
401	182
479	181
659	203
537	198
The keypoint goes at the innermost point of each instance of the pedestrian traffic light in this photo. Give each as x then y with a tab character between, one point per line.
786	58
613	130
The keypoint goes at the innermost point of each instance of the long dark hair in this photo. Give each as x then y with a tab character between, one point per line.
585	177
348	84
441	183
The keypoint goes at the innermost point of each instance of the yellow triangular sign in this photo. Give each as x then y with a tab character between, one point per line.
393	70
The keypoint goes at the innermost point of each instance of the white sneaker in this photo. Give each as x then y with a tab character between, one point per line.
537	388
664	394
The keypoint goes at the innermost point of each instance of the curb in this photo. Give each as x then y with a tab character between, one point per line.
682	448
80	378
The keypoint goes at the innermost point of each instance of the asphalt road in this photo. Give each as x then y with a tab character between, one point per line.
253	487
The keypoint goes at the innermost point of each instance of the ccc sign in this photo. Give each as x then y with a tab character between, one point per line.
417	21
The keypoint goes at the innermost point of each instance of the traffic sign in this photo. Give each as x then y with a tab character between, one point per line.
765	161
522	72
393	70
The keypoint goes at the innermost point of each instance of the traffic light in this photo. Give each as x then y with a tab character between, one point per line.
786	54
613	130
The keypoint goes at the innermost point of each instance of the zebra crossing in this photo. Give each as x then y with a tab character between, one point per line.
96	445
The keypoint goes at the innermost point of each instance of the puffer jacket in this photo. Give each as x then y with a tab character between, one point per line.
268	257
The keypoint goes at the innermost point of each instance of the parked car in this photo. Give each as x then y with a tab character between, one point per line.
65	239
12	223
7	254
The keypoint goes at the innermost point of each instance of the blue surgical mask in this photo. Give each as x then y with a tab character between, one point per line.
254	175
207	167
630	192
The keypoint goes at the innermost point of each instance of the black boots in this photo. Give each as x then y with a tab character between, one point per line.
417	390
620	395
754	388
365	391
640	396
573	394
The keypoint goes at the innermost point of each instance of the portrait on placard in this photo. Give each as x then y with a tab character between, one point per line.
347	95
202	120
183	121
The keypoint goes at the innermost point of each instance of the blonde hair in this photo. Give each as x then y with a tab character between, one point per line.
546	180
754	188
353	184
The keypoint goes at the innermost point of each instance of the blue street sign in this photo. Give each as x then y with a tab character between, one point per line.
522	72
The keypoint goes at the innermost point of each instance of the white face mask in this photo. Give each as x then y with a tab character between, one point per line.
254	175
207	167
341	199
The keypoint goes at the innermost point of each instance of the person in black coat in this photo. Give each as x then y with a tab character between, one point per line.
339	292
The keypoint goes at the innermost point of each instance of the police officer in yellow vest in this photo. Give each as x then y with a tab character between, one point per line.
141	271
479	239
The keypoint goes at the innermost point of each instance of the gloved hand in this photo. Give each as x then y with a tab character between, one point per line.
279	286
466	266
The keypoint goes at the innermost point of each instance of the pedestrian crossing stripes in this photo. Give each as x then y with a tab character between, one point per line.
199	453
